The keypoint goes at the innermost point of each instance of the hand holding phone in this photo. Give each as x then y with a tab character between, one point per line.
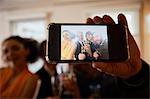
122	69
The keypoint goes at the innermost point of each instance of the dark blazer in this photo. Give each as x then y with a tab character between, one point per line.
78	50
46	86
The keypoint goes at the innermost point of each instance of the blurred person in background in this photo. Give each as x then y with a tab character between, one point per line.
50	67
18	79
48	75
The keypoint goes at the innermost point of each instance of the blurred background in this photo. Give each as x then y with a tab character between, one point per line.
30	18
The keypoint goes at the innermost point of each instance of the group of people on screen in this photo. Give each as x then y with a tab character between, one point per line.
83	46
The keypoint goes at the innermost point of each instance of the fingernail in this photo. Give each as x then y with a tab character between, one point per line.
97	20
122	19
89	21
108	20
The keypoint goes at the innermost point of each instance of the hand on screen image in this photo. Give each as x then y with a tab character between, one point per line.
88	48
96	55
81	56
121	69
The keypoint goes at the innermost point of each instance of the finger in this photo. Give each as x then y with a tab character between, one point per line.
122	20
103	67
89	21
108	20
97	20
95	67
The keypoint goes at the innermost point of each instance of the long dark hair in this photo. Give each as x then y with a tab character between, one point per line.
28	43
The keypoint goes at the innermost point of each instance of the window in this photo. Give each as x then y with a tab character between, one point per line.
148	23
32	28
132	18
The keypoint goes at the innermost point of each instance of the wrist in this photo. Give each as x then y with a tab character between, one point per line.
139	78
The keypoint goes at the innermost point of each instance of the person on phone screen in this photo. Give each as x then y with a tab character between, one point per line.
68	46
101	46
80	44
88	48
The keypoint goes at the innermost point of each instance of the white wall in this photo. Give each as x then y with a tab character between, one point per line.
73	13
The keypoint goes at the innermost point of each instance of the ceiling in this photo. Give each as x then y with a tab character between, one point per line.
18	4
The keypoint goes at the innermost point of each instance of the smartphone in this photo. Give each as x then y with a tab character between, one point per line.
87	42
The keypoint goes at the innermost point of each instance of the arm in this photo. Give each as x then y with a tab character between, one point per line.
140	78
138	83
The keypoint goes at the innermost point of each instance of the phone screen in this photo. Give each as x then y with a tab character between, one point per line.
80	42
87	42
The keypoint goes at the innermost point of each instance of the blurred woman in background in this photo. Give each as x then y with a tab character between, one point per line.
18	80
